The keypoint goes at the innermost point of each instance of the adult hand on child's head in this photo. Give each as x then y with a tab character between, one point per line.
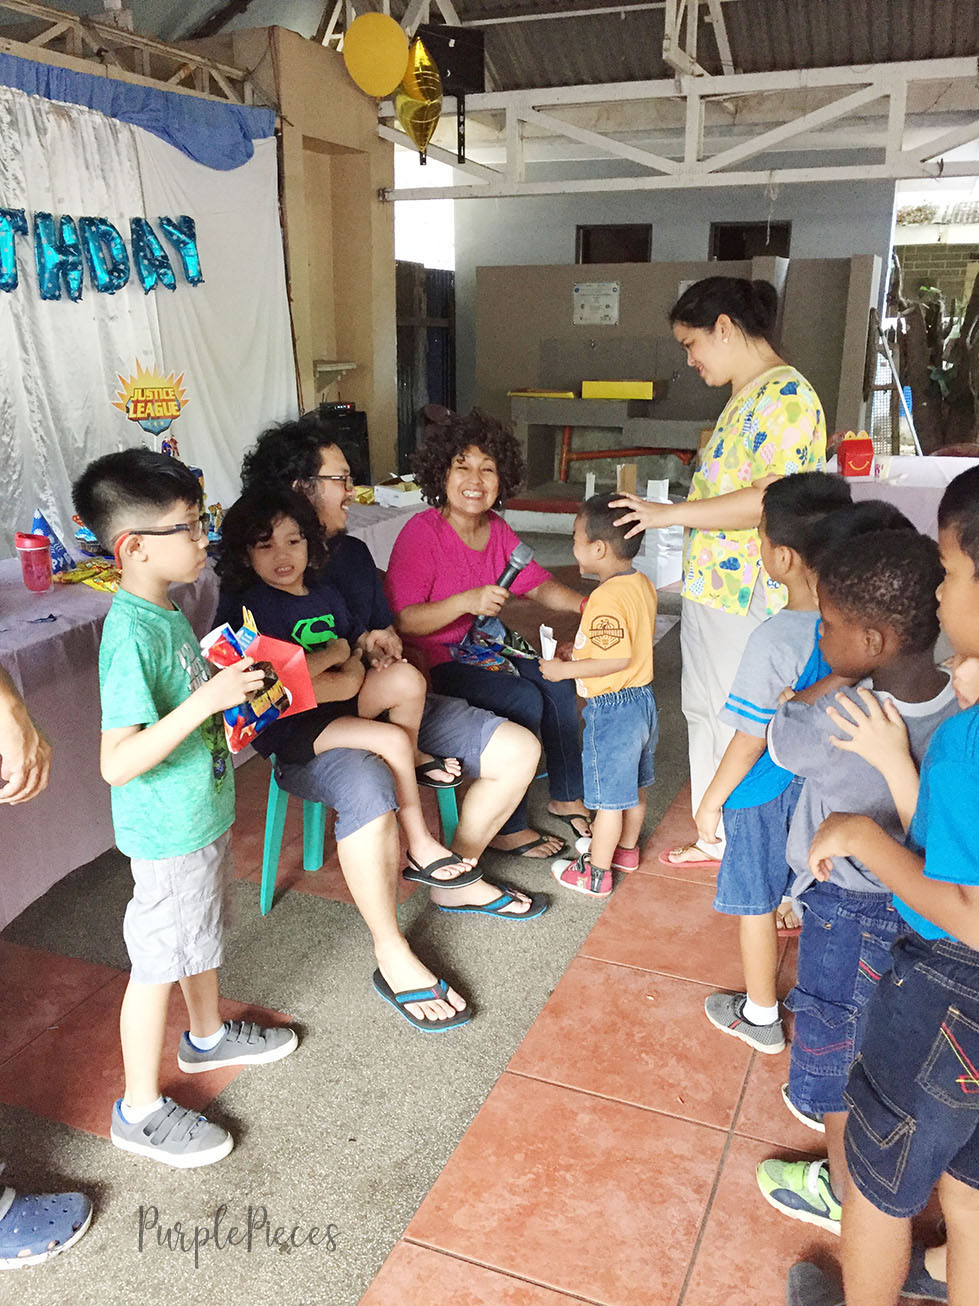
25	755
874	730
232	685
640	514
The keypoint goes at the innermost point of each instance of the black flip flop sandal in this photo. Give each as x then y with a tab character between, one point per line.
423	772
423	874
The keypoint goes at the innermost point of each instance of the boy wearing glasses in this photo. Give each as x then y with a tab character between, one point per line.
164	754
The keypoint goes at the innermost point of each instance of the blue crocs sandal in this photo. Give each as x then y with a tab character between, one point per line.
538	905
36	1226
399	1000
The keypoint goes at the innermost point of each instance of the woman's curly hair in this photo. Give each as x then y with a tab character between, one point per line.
252	520
446	440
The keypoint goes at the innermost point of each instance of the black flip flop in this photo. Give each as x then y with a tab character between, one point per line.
524	848
423	874
537	907
400	1000
423	772
570	820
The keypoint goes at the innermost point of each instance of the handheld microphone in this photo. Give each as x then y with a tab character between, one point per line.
516	562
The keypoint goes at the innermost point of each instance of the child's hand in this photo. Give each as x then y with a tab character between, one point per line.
786	696
834	838
334	653
707	819
965	679
382	648
553	668
353	672
877	733
231	686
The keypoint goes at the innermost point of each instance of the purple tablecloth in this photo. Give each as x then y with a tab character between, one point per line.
915	485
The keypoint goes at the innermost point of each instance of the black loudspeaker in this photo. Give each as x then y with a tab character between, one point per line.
348	428
458	54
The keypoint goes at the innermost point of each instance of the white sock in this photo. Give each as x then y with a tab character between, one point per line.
759	1015
134	1114
211	1041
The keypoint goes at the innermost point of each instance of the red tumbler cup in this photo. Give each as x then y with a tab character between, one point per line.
34	552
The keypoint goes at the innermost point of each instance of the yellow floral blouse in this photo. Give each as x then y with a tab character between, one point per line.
772	427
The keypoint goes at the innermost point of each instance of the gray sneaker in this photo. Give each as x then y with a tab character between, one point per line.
173	1134
244	1044
724	1011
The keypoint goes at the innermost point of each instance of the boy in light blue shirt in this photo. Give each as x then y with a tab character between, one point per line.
163	752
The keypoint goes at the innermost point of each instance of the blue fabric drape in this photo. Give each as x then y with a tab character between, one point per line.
211	133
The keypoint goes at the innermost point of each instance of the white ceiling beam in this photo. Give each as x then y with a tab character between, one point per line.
687	181
477	170
607	144
720	35
897	111
417	12
693	131
950	140
759	144
515	162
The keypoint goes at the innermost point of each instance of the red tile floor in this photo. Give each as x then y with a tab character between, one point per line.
613	1161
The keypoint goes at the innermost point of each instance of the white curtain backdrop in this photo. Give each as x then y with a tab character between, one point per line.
60	361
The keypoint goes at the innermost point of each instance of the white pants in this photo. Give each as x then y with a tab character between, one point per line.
711	645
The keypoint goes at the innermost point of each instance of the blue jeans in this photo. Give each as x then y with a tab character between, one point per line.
548	709
619	747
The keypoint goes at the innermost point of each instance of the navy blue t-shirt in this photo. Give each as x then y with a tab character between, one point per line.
351	569
310	620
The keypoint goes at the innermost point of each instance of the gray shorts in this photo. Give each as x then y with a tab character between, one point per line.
359	786
181	906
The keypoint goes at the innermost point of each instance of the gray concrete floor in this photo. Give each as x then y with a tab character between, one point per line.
352	1130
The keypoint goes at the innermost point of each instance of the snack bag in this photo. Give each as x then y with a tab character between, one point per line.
287	688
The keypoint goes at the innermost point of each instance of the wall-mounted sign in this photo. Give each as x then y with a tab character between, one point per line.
596	303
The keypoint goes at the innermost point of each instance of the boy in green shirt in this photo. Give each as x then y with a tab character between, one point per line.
164	754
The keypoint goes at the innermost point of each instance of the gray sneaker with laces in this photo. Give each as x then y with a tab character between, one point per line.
726	1012
244	1044
172	1134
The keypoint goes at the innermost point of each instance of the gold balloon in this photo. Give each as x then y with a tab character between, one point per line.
418	100
375	50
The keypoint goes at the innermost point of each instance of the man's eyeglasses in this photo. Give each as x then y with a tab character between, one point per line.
194	529
346	478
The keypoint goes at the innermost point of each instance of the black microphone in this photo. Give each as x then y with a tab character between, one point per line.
516	562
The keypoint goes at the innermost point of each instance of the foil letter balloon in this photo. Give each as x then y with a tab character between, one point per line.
13	223
56	255
181	232
99	235
152	264
375	51
418	100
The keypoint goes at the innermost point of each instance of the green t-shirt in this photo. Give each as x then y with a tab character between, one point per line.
149	663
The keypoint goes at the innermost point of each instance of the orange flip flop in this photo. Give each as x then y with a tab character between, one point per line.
705	863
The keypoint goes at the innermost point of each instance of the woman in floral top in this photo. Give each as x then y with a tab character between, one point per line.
771	426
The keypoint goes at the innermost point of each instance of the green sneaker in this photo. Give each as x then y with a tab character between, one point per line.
800	1190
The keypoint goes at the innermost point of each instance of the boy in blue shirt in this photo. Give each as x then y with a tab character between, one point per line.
164	754
758	798
913	1091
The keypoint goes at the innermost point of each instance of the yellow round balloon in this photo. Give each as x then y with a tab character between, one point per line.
418	100
375	50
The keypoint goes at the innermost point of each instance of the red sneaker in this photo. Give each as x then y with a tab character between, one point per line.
581	876
625	859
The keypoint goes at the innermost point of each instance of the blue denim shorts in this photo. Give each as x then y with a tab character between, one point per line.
844	949
618	747
913	1092
754	874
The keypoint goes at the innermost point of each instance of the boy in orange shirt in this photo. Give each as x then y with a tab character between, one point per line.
612	665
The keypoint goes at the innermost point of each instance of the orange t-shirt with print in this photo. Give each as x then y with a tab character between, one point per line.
619	621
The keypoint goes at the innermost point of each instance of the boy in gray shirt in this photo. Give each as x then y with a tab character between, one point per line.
879	625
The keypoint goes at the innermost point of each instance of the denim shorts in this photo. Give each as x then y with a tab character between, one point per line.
754	874
618	747
913	1092
844	949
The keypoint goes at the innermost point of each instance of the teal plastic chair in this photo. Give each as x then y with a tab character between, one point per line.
314	833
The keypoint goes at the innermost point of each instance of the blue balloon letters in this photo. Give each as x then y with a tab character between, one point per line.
13	222
57	256
60	243
99	235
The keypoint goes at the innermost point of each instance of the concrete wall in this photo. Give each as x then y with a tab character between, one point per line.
830	221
